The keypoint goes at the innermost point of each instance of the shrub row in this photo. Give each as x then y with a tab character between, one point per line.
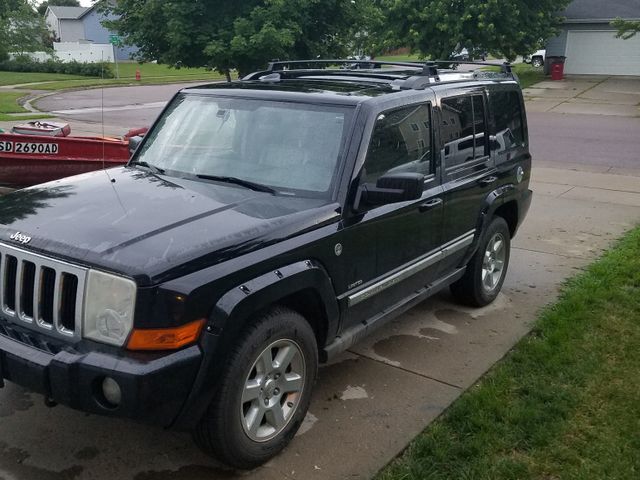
26	64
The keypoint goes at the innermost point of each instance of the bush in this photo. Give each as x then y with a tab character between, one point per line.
26	64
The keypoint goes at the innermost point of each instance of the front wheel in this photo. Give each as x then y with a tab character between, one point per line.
486	270
264	393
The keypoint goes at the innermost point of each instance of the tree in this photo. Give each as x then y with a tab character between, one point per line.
508	28
240	35
42	8
626	28
21	29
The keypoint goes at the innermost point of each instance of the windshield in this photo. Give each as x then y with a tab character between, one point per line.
289	147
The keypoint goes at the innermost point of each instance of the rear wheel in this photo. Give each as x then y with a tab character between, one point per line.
537	62
486	270
265	391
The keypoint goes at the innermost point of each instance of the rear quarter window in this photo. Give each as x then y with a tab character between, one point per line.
507	114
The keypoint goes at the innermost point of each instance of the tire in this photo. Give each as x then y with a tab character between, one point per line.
482	281
537	62
246	434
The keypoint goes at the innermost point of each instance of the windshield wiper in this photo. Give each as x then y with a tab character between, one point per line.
258	187
153	168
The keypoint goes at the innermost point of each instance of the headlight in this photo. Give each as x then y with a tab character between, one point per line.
109	306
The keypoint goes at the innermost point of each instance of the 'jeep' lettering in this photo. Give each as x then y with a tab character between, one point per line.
20	238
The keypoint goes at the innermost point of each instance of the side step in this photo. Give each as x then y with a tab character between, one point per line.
354	334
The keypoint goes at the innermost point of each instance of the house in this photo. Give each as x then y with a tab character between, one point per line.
82	24
65	23
589	42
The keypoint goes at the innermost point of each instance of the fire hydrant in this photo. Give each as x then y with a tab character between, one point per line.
138	76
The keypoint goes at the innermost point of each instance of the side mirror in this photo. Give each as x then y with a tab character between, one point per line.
392	188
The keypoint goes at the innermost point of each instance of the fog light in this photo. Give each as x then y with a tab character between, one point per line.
111	391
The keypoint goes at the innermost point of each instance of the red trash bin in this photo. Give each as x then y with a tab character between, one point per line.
557	68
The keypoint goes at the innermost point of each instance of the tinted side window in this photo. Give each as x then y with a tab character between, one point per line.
507	113
401	143
463	129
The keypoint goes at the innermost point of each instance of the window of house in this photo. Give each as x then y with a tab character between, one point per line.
397	147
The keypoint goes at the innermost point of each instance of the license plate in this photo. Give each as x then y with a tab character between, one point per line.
29	148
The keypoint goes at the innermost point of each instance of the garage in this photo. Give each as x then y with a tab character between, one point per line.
600	52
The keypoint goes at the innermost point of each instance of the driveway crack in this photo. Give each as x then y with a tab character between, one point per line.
377	360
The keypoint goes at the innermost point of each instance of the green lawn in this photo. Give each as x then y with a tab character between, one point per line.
86	83
9	102
563	404
527	74
128	69
16	78
151	74
399	58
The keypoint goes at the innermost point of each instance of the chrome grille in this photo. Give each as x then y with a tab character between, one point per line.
41	293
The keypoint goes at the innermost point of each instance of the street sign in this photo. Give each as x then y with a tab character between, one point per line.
114	39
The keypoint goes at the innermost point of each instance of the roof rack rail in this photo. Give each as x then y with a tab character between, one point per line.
426	73
428	67
276	65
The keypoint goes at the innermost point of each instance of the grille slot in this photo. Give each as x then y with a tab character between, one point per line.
27	289
10	267
68	301
47	289
41	293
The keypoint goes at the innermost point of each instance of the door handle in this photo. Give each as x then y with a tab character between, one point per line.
488	180
430	204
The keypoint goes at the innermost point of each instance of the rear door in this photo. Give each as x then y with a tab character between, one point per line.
467	169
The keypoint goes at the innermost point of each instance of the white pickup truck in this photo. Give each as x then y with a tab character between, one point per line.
537	58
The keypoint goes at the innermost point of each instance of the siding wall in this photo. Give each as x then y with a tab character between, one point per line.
71	30
96	32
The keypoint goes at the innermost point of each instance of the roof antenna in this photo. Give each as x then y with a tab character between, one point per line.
102	108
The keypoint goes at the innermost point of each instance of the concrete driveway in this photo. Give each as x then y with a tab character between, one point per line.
374	399
586	94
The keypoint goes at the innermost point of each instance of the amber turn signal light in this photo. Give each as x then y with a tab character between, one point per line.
166	338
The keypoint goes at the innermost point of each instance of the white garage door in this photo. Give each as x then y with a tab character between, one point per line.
600	52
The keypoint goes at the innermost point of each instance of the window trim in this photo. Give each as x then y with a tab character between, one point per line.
430	177
486	157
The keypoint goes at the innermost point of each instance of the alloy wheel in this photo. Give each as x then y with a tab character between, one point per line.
272	390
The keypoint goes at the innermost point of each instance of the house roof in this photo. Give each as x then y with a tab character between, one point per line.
597	11
69	13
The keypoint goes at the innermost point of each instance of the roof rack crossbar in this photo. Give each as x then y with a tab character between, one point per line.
279	64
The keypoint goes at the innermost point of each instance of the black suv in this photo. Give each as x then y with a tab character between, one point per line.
261	227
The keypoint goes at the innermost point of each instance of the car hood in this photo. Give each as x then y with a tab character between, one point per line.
131	221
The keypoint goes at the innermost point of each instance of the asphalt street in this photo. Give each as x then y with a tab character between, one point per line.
556	139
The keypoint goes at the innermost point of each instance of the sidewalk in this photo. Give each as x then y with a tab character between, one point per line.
370	402
582	94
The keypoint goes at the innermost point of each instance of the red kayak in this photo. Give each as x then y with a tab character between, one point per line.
36	158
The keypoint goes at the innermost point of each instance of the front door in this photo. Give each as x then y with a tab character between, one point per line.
394	241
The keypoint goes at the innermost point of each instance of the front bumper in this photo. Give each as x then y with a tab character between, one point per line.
154	387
